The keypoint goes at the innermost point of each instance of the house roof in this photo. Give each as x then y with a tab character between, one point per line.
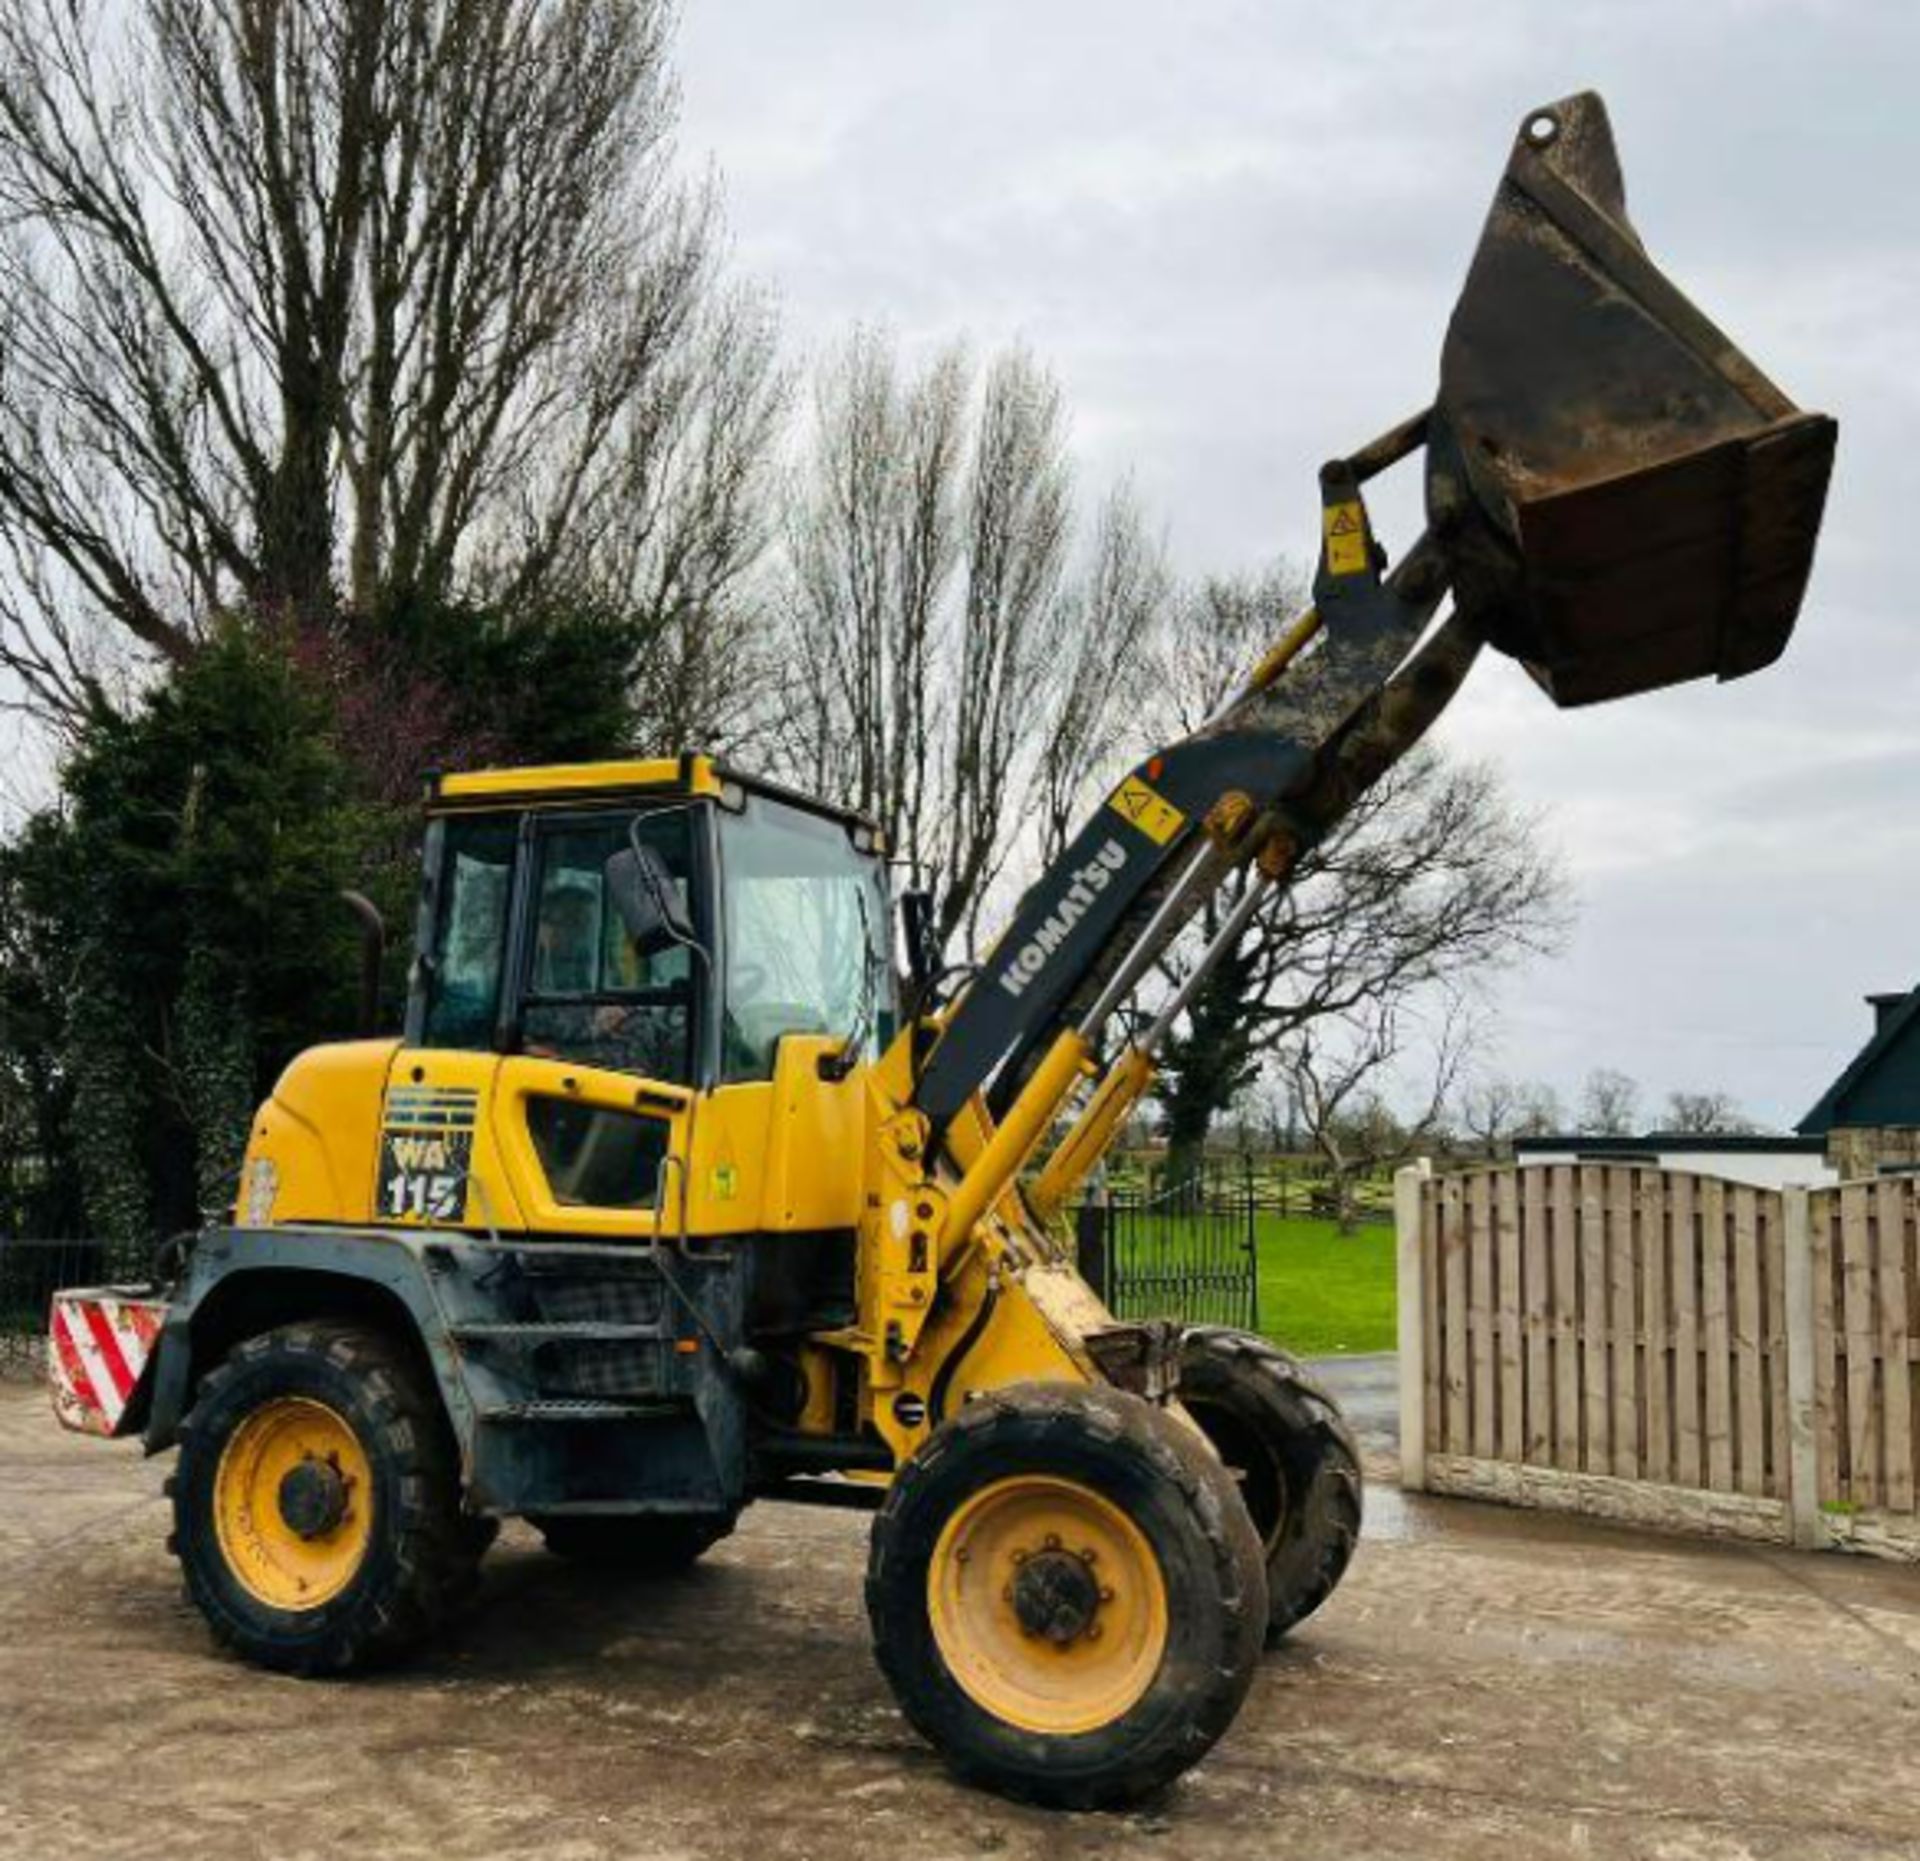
1673	1143
1899	1019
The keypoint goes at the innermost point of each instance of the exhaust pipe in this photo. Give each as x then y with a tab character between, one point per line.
373	951
1625	500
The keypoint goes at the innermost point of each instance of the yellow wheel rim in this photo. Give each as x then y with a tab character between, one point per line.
293	1503
1048	1605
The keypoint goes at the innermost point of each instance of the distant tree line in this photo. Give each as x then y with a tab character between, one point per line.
1334	1115
1493	1111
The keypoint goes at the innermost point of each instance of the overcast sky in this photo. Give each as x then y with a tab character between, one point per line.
1235	231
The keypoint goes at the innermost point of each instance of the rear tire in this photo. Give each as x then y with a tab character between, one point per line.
316	1502
1283	1439
656	1545
1066	1595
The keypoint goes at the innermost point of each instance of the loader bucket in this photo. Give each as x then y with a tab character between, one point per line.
1626	500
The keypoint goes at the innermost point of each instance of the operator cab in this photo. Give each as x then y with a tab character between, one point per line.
602	948
769	917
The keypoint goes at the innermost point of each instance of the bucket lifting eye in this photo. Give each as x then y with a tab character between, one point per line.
1542	127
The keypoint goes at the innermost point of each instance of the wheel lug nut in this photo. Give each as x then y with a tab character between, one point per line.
1020	1557
1006	1595
1106	1595
1092	1631
1053	1541
1089	1555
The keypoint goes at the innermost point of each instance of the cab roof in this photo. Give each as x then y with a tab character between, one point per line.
571	784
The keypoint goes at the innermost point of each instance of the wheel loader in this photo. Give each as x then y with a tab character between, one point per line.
676	1192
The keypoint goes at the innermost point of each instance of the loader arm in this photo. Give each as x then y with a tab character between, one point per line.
1616	496
1341	697
1191	813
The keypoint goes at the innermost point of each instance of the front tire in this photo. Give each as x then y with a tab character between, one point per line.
316	1502
1283	1440
1066	1595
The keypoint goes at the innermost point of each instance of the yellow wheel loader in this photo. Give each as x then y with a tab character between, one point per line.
672	1195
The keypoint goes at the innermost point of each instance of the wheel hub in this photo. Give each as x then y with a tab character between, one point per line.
312	1498
1048	1604
1056	1595
294	1502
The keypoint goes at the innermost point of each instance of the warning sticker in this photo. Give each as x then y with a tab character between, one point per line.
1153	814
1345	529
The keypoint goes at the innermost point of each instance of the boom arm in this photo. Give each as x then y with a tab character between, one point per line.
1263	782
1190	815
1616	496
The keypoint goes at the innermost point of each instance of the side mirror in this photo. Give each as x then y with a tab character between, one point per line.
648	901
923	945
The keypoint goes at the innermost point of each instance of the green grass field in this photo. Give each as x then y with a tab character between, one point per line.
1323	1292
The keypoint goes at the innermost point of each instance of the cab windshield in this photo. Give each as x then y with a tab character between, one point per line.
805	917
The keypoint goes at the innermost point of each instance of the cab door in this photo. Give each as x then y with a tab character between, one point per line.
592	1105
437	1163
546	1083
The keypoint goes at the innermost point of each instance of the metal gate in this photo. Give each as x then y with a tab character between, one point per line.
1185	1253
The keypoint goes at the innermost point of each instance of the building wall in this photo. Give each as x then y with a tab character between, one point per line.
1764	1169
1867	1150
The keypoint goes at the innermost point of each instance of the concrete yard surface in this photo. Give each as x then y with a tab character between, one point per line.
1486	1683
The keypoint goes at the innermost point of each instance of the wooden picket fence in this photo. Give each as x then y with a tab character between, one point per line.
1666	1347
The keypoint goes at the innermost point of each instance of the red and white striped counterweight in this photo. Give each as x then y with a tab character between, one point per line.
98	1343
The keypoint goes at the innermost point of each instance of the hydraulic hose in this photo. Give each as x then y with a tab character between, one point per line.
950	1364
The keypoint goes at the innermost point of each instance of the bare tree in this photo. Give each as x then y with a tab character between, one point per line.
1495	1110
1213	635
1335	1067
1609	1104
1540	1111
1100	682
1487	1112
1705	1114
1019	509
310	305
874	541
953	672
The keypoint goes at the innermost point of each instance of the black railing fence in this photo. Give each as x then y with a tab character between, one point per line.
1184	1252
32	1269
1292	1187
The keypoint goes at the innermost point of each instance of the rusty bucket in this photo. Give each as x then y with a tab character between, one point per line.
1626	500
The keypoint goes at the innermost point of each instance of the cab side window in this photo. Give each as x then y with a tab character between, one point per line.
469	953
590	995
595	1157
